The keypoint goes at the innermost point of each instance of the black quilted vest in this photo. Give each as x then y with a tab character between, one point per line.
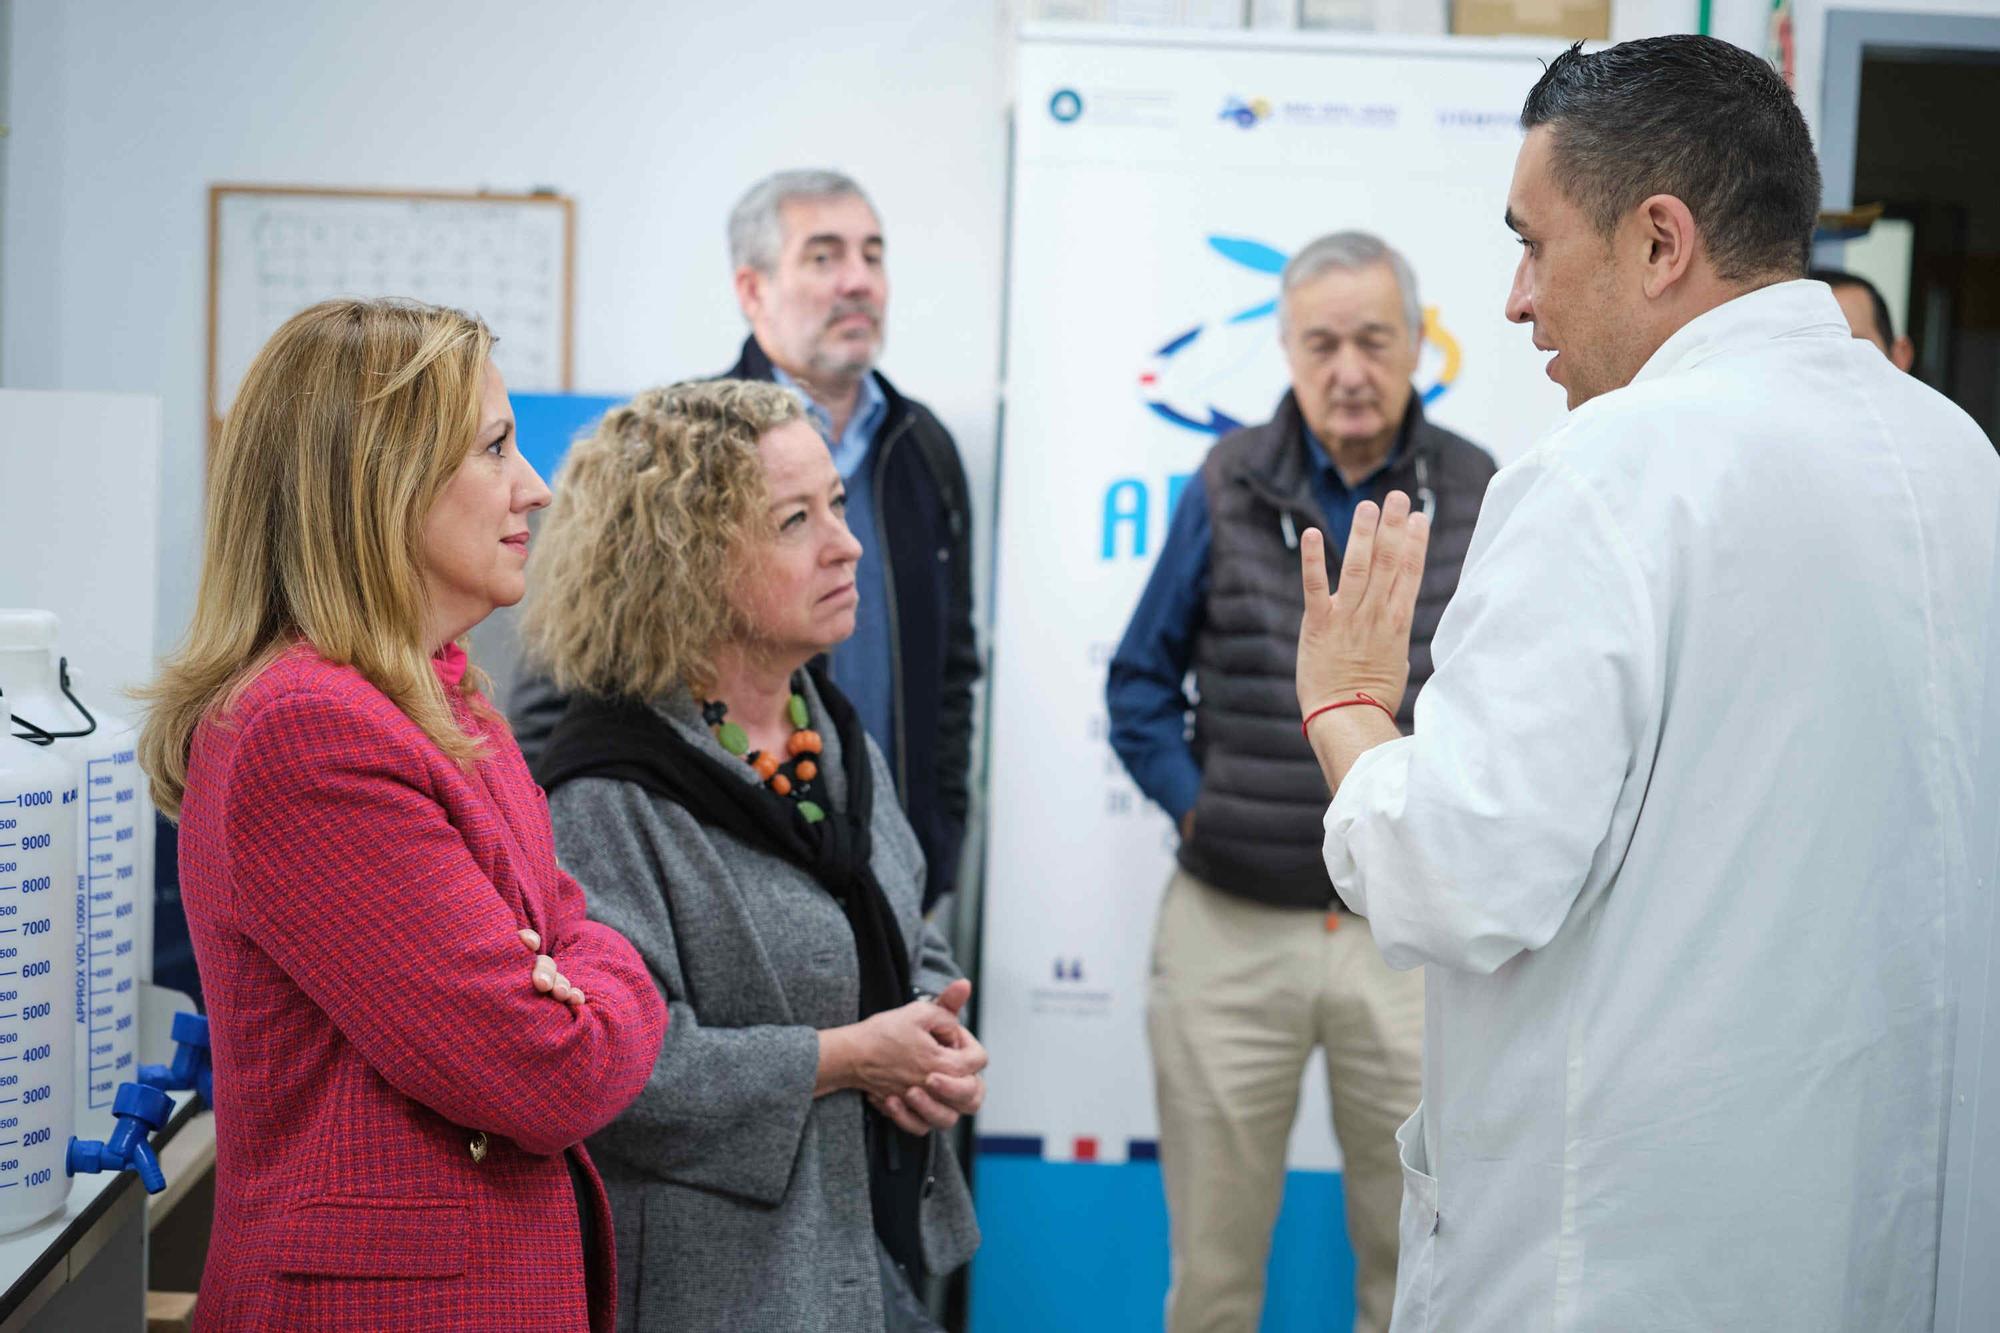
1257	823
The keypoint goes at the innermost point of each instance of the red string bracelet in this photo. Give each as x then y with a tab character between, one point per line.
1359	698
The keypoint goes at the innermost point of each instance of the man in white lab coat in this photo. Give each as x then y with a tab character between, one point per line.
1681	832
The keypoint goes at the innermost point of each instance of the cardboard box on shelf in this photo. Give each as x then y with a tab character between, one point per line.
1588	19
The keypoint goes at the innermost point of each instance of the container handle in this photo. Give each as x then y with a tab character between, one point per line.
39	735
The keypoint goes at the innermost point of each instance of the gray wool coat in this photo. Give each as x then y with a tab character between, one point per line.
741	1200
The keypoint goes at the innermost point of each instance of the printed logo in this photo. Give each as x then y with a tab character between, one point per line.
1066	105
1224	371
1340	115
1069	996
1462	118
1246	115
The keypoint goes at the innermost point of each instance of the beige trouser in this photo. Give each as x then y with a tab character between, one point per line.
1241	993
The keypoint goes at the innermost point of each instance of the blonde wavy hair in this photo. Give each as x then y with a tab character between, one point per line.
348	426
638	556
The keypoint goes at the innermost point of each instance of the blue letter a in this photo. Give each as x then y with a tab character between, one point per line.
1125	503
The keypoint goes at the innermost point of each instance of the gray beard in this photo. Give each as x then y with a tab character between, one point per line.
845	369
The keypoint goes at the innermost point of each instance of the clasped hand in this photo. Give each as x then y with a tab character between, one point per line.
918	1065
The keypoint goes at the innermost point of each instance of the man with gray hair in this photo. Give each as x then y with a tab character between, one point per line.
1257	962
811	279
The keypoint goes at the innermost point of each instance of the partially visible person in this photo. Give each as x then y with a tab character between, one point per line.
413	1025
1867	314
1257	962
724	808
812	279
1682	838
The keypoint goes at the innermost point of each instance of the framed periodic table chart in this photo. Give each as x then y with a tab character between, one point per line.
274	250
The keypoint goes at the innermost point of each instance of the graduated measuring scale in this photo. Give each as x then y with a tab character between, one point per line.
110	812
38	896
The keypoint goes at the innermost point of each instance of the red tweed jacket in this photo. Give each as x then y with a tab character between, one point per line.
393	1097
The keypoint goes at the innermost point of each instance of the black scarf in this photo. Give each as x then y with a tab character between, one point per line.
629	742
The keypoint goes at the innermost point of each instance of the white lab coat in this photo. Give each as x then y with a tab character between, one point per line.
1681	834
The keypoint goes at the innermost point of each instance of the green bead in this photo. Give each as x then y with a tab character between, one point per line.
798	710
812	812
734	739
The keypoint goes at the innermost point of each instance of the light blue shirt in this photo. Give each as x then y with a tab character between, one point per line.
870	407
863	666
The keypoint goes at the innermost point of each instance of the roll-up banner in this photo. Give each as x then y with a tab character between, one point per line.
1160	182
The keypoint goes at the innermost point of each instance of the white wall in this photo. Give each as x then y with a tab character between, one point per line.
80	527
655	116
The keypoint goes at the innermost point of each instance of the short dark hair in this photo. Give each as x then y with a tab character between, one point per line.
1694	117
1838	278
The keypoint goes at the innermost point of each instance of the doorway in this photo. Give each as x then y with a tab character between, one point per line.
1907	109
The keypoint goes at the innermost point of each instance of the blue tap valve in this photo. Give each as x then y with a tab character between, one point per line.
141	1111
191	1068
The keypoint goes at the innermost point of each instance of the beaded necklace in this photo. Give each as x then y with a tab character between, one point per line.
795	776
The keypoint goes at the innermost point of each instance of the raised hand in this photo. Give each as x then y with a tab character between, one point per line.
1357	640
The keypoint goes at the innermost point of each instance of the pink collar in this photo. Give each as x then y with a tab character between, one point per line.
450	663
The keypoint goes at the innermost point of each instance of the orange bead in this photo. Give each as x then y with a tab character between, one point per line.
781	785
804	742
766	764
806	769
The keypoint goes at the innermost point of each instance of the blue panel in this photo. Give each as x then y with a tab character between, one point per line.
1082	1246
545	423
1312	1268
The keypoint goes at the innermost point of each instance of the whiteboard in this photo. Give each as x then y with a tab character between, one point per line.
273	251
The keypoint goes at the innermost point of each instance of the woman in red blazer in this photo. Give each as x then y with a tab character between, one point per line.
414	1025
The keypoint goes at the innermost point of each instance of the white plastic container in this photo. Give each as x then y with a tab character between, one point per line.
110	812
38	900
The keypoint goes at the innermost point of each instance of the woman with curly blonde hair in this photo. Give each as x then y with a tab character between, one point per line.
403	1077
724	810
